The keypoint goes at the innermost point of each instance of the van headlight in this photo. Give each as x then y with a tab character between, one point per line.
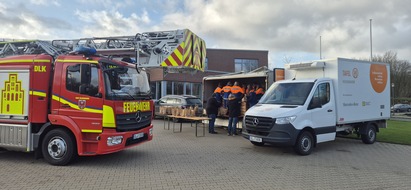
285	120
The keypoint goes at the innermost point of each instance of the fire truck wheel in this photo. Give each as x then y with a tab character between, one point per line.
58	147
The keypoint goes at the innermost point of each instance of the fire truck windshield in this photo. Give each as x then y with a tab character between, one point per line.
123	83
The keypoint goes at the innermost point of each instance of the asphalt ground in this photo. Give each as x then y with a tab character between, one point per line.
184	161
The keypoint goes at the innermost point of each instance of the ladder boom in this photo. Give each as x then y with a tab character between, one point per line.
176	50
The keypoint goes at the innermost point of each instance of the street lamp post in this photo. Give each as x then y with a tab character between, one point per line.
393	101
392	85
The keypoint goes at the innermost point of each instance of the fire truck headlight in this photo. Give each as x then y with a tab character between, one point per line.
151	132
114	140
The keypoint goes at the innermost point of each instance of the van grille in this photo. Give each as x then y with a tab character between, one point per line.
259	125
128	122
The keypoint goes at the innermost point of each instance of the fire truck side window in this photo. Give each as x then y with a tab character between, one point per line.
83	79
73	79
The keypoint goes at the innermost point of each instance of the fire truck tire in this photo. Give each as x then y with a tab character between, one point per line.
58	147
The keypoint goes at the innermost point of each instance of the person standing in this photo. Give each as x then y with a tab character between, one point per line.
247	95
259	92
212	110
234	111
218	93
226	92
252	97
237	91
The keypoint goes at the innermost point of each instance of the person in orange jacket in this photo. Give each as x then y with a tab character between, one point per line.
218	93
237	91
259	92
226	92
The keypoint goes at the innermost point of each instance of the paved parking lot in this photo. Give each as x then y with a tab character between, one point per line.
183	161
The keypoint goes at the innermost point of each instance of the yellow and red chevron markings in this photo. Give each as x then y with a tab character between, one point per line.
190	53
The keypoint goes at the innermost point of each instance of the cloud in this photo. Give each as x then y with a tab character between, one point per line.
109	23
19	22
46	2
289	29
296	26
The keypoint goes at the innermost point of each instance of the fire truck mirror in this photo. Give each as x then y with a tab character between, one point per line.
85	71
84	89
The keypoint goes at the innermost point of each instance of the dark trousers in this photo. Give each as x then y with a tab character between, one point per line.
211	122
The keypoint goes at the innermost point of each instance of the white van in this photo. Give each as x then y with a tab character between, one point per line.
318	100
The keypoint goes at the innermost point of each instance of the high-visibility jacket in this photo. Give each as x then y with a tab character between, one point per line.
259	91
218	90
237	91
218	95
226	91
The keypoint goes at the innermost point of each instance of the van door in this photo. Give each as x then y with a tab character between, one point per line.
323	112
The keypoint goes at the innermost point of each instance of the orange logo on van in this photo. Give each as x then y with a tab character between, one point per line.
378	77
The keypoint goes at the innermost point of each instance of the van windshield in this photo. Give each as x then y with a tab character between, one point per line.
287	93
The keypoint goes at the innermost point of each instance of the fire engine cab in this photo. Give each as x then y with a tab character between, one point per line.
82	101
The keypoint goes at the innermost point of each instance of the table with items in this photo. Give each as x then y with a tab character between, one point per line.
192	119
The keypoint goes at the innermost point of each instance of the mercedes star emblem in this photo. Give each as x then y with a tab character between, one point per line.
255	121
138	116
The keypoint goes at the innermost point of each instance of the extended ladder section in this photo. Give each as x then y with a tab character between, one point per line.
8	48
179	51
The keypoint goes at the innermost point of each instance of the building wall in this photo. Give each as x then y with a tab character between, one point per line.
218	61
223	59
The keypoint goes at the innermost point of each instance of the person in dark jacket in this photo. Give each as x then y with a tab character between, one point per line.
212	110
234	111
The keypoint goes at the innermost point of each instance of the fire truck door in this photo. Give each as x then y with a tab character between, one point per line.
80	97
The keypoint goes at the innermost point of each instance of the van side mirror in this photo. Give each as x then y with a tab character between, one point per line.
315	103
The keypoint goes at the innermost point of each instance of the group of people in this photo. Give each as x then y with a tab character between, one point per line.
230	97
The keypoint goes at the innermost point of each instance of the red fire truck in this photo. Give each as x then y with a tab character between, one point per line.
63	104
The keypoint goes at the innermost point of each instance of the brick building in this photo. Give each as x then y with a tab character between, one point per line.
218	61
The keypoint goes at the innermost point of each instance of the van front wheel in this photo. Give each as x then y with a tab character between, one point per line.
305	143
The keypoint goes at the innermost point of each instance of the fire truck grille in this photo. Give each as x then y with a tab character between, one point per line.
132	122
259	125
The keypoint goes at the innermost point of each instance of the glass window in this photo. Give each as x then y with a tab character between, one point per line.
188	89
178	101
153	89
245	65
321	95
206	64
169	88
197	89
73	79
93	87
178	88
170	100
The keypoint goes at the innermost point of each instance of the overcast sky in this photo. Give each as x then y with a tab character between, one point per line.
289	29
